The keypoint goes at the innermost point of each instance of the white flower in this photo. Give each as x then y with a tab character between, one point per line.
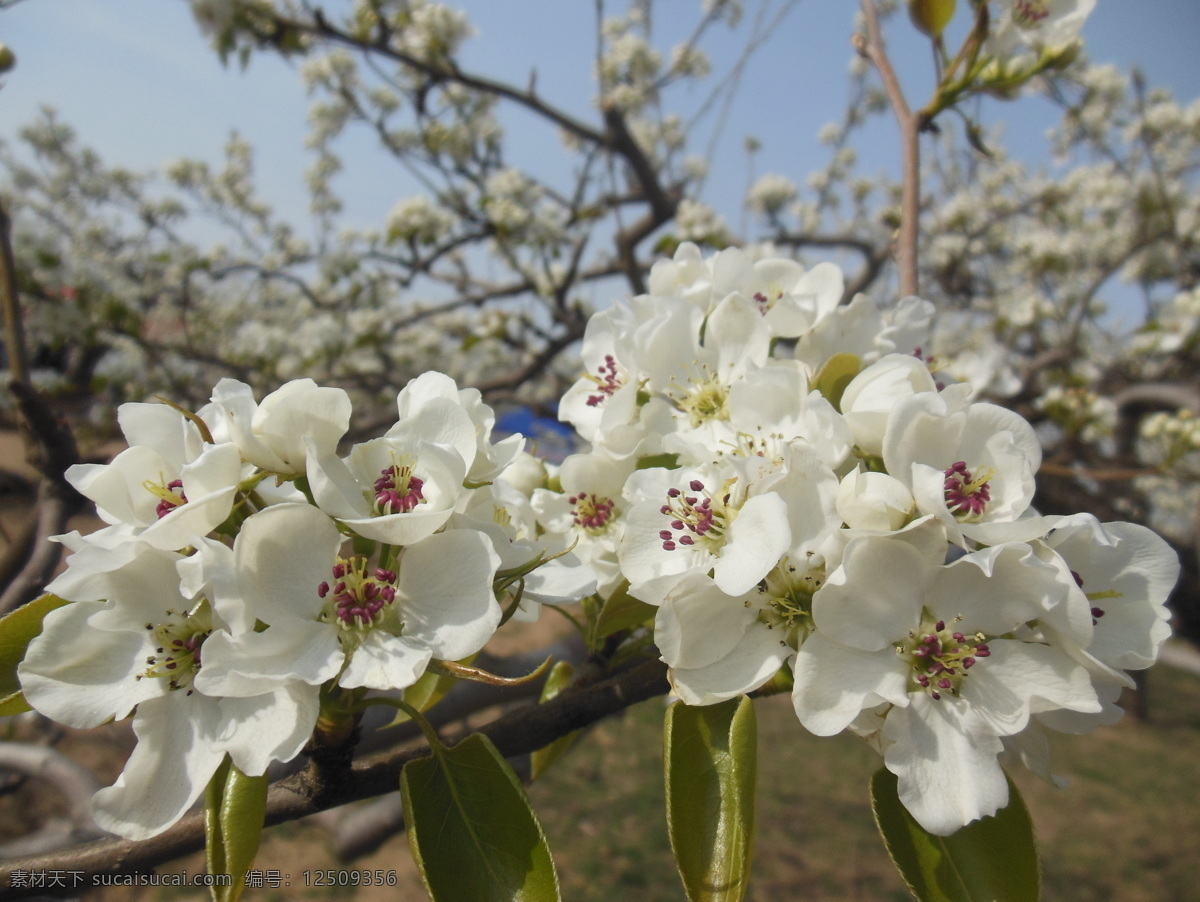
396	490
871	395
939	643
971	467
168	485
141	647
332	616
697	519
1037	24
276	434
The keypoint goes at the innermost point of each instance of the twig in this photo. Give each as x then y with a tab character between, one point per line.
871	47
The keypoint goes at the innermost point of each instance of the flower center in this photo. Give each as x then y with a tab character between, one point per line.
592	513
357	599
397	490
788	592
177	641
1029	12
693	518
702	399
170	495
967	496
607	381
764	300
940	657
1097	611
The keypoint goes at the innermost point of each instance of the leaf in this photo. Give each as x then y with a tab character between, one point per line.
235	806
711	758
834	375
622	611
994	858
559	679
427	691
472	832
17	629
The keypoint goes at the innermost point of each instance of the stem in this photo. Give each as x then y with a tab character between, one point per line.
871	47
14	334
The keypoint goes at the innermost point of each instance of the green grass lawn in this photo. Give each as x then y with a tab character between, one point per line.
1124	830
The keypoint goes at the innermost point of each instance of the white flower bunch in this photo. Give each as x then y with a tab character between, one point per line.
248	572
785	479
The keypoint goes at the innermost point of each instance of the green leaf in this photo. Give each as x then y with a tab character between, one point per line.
427	691
235	806
653	461
17	629
559	679
622	611
834	375
994	858
711	759
472	832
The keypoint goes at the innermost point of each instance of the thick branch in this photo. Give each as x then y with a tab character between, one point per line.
310	791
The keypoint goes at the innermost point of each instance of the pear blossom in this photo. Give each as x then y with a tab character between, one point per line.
972	466
168	484
141	648
941	644
329	615
277	433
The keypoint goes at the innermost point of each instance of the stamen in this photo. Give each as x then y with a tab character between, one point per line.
607	381
397	490
967	496
940	658
594	513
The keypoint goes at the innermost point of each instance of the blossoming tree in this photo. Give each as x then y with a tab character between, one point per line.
780	484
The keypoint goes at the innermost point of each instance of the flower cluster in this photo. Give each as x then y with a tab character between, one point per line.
792	482
249	572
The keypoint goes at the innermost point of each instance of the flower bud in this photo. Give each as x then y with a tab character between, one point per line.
874	501
931	16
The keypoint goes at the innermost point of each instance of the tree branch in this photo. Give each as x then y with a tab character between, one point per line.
312	790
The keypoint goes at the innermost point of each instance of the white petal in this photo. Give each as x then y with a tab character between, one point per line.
757	538
700	624
384	661
177	753
445	589
834	683
83	676
289	651
751	662
945	758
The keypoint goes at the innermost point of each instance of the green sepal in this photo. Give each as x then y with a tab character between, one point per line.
540	760
834	375
991	858
234	808
472	832
621	611
711	761
17	629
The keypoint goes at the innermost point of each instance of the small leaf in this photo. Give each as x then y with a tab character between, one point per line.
235	806
711	758
559	679
991	858
472	832
479	675
427	691
17	629
622	611
834	375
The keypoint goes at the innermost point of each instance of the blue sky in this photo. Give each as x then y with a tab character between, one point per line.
139	84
